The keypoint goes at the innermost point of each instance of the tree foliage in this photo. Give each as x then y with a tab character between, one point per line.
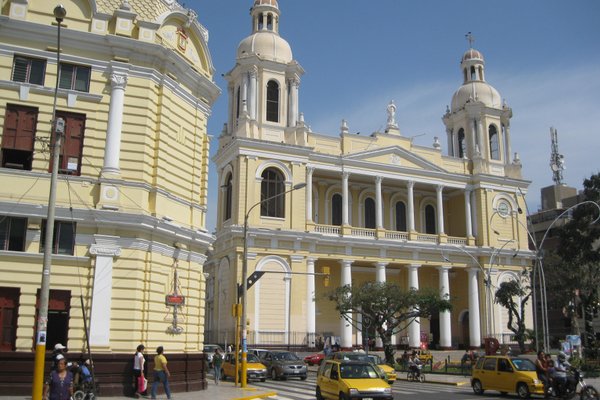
514	295
386	307
579	251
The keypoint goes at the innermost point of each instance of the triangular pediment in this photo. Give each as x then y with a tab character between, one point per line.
394	156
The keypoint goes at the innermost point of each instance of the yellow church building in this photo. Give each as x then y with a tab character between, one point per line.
375	207
135	91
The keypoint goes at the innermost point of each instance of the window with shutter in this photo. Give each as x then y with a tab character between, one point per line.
72	143
29	70
75	77
12	233
18	136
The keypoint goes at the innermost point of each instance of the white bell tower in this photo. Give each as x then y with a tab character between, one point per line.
263	85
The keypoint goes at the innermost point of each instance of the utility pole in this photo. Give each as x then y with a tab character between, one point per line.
58	129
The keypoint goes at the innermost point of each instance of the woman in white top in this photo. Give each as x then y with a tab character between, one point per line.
138	369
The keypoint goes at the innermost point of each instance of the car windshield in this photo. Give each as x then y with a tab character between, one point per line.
210	348
523	364
358	371
375	359
251	358
285	357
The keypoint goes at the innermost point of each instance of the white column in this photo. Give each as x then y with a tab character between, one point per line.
293	101
252	95
468	220
309	195
378	203
474	317
381	278
445	324
507	149
112	150
310	302
345	327
345	198
473	214
414	329
105	250
231	106
450	142
411	206
483	143
244	94
440	210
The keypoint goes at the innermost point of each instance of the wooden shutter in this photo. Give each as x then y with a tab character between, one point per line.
19	127
72	146
9	307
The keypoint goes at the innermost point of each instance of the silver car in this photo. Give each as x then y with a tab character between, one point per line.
284	364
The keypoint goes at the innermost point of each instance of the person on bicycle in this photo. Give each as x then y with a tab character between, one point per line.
415	364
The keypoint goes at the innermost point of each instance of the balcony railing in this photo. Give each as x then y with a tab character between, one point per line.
334	230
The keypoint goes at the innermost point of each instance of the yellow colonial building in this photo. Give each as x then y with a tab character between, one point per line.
135	90
375	207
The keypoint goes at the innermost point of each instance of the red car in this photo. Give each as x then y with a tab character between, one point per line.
314	359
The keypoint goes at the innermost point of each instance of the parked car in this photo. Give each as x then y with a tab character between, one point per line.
283	365
388	371
314	359
255	369
341	379
507	375
260	353
209	349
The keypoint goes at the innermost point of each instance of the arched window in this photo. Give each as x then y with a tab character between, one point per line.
228	197
494	144
336	210
272	188
473	74
461	143
260	22
465	75
400	216
369	213
273	101
270	22
430	225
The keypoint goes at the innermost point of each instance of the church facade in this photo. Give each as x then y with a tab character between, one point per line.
135	92
374	208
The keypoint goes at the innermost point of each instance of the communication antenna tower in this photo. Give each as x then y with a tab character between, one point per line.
557	160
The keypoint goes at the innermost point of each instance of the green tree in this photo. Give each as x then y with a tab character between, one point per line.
579	250
514	295
386	307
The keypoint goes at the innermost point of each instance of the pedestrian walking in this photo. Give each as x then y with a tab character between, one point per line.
139	377
161	373
217	362
59	385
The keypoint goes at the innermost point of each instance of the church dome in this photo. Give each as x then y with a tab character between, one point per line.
266	3
476	91
266	45
472	54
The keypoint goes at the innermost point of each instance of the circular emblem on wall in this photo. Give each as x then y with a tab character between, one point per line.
503	208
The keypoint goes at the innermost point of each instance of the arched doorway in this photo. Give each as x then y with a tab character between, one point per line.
464	329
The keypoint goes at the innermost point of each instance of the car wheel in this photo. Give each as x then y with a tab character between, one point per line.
343	396
503	393
522	391
589	392
319	396
422	378
477	387
274	374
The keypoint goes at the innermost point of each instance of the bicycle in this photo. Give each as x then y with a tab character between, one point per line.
415	374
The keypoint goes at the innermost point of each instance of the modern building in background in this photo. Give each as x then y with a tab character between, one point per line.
375	207
135	91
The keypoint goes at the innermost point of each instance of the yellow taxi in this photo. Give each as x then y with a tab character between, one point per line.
389	372
507	375
346	379
255	370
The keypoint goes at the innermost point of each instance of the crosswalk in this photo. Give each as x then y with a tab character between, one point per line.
304	390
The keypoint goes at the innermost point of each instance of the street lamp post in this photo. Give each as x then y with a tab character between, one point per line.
42	322
245	278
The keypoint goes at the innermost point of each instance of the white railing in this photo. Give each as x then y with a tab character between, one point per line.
363	232
457	240
427	238
396	235
328	229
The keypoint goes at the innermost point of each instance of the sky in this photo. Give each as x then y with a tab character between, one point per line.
543	56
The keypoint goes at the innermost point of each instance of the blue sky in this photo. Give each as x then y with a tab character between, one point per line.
543	56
